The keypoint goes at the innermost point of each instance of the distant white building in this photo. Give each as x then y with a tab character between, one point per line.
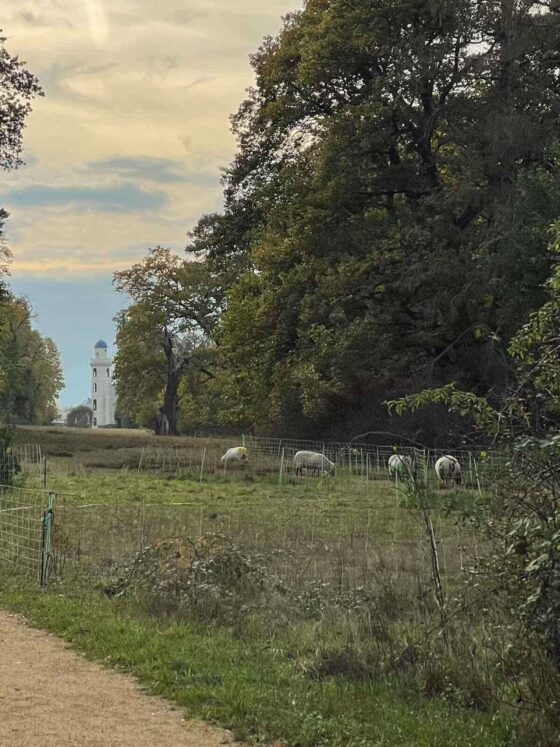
103	395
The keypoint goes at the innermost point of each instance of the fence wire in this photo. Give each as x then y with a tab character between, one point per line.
21	528
273	459
302	544
23	509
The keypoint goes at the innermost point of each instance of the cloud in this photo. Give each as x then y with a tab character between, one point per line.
162	170
123	199
126	145
159	170
129	140
186	16
97	21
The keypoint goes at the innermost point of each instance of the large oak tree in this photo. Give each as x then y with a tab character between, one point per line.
176	304
386	214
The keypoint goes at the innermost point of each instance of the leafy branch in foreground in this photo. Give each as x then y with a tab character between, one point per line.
522	560
486	417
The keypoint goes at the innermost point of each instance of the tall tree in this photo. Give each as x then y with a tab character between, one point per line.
30	369
385	215
140	364
18	88
175	307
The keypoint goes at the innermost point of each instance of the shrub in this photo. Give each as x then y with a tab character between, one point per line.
210	580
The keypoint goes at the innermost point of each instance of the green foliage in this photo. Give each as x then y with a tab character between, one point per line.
523	570
80	417
487	419
139	365
210	580
386	215
30	369
164	333
252	687
9	465
18	87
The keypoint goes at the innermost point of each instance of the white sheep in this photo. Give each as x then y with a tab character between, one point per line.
448	470
235	454
312	460
400	466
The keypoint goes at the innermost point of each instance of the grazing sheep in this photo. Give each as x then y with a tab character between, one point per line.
448	470
400	466
312	460
235	454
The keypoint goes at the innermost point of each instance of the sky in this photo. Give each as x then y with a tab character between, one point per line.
124	151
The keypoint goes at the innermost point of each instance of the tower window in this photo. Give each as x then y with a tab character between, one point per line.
95	387
95	372
95	404
95	421
108	372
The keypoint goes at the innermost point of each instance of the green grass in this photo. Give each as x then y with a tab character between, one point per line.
311	664
124	487
251	686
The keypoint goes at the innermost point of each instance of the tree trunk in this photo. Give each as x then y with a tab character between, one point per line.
166	421
168	412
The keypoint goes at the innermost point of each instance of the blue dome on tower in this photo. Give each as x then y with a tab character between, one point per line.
101	344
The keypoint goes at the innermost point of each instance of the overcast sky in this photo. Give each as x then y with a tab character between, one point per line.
124	152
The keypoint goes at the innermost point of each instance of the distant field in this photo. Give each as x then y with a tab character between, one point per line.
320	589
110	447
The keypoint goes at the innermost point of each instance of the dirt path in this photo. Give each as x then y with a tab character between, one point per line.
50	696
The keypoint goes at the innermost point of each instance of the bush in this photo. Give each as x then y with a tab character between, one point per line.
210	580
9	463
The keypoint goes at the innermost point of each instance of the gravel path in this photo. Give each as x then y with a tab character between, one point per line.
52	697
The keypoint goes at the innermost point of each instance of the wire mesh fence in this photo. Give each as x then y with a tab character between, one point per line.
312	539
23	461
303	543
28	454
23	541
273	459
361	457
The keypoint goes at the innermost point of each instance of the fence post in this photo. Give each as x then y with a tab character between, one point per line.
281	468
45	472
202	464
46	540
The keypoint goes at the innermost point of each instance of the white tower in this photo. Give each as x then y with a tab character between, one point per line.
102	390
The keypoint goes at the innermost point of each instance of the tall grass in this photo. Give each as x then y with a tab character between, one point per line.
250	685
324	588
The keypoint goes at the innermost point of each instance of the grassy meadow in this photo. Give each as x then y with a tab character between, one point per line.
299	612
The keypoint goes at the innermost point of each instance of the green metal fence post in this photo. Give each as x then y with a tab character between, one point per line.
46	540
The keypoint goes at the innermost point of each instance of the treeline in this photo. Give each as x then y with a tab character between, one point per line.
30	370
386	225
